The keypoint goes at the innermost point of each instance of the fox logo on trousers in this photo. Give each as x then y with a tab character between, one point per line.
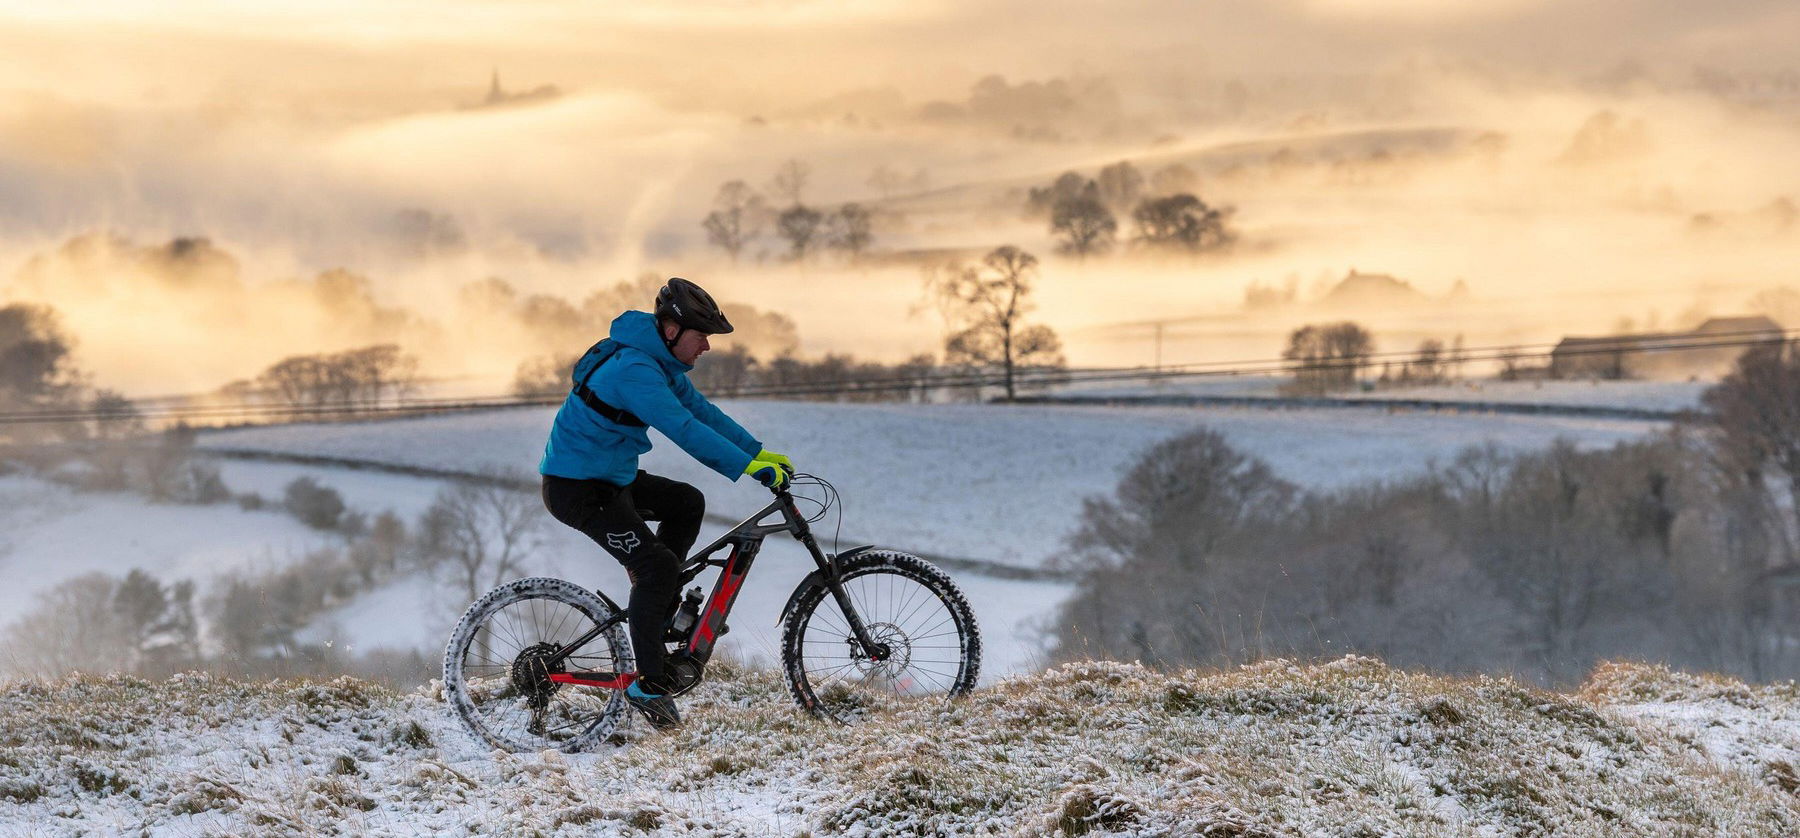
626	541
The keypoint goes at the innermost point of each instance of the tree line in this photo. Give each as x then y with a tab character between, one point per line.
741	214
1682	548
1167	214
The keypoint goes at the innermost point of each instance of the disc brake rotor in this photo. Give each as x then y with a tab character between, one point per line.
893	642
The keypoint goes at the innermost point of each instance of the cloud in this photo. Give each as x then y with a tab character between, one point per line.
306	137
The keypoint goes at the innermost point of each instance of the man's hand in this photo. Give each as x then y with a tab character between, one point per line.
778	459
767	472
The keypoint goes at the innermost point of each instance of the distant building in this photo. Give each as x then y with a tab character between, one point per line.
1709	349
498	97
1361	290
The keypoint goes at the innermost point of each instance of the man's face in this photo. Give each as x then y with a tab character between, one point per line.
688	347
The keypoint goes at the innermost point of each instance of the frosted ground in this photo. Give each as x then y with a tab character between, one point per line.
1348	747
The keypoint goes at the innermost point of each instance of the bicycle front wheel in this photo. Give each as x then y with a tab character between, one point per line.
929	646
498	663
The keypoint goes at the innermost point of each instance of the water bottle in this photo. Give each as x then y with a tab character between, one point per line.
686	616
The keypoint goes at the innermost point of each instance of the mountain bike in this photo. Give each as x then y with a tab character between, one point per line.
541	663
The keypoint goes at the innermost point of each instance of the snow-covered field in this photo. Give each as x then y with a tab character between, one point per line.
1348	747
988	482
49	534
993	482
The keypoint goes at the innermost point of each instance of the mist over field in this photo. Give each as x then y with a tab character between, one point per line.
1531	169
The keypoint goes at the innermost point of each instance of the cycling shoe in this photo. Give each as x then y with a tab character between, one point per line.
658	710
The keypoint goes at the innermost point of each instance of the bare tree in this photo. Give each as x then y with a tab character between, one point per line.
850	230
990	301
800	225
1756	411
1184	498
299	381
317	506
1068	186
1181	222
36	368
159	621
115	417
374	372
344	379
735	217
1328	357
1084	223
1429	366
1121	185
789	182
74	627
481	534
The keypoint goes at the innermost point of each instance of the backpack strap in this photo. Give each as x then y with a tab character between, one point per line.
588	397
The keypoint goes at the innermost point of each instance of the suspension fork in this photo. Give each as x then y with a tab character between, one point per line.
829	568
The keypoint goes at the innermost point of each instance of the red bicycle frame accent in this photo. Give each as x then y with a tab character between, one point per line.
712	623
619	681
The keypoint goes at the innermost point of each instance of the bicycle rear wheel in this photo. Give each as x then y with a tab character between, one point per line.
932	647
497	667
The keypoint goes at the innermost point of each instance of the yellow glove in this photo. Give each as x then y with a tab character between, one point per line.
778	459
767	472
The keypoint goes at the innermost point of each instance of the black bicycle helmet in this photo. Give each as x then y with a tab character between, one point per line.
691	307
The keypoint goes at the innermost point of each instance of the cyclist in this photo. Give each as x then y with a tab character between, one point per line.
637	379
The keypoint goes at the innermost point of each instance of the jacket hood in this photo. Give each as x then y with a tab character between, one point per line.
637	329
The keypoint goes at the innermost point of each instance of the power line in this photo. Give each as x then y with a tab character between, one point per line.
369	408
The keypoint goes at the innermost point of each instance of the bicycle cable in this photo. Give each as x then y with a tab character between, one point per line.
832	499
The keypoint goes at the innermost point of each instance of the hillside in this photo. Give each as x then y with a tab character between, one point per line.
1349	747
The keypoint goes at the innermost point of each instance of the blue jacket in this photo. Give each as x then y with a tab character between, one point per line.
644	378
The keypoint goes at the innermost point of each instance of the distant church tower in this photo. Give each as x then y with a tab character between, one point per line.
494	92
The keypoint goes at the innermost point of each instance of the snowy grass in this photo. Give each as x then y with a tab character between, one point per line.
1349	747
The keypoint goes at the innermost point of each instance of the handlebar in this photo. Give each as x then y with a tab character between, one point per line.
782	488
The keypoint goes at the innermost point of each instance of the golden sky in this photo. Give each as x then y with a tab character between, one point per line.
292	134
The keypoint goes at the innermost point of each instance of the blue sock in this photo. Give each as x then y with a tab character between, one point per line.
636	691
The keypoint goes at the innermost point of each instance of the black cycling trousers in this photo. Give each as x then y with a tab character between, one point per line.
614	517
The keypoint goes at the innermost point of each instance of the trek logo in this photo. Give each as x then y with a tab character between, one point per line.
626	541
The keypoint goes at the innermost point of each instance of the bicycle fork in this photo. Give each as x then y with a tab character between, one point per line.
829	570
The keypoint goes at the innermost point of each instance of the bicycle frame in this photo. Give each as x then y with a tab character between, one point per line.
745	541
